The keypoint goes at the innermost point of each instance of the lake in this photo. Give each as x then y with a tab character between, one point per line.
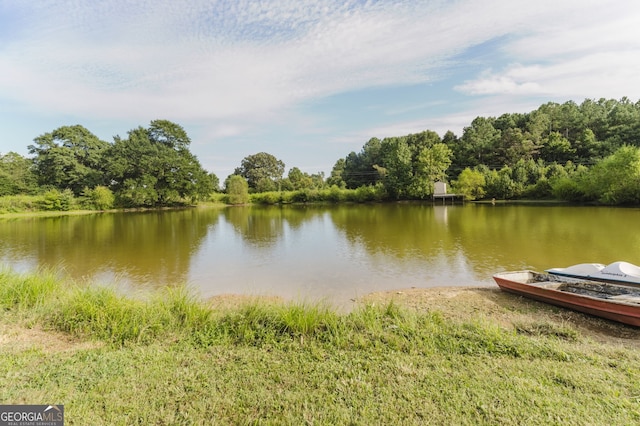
311	253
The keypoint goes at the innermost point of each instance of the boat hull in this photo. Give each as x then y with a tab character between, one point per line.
513	282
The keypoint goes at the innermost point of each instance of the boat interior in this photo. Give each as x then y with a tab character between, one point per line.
600	290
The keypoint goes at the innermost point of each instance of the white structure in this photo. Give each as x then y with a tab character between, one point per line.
440	192
440	188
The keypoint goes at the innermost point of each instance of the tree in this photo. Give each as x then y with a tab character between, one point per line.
624	124
586	146
336	174
300	180
418	142
431	166
397	170
317	180
470	184
479	142
615	179
557	148
16	175
499	184
69	157
360	169
595	116
153	167
261	169
237	189
215	182
99	198
516	146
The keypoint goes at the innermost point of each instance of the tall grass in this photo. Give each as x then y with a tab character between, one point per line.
25	291
173	359
20	203
175	314
260	323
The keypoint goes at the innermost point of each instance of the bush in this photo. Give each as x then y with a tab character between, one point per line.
19	203
616	178
335	194
366	194
237	190
301	196
540	190
54	200
271	197
99	198
567	189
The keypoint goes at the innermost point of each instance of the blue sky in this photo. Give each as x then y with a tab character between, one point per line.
307	81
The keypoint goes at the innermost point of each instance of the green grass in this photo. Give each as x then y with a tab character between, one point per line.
27	291
171	359
19	203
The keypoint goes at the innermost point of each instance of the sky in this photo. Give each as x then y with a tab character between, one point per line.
308	81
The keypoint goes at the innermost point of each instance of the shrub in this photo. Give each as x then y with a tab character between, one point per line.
99	198
56	200
366	193
540	190
301	196
19	203
271	197
335	194
566	189
237	190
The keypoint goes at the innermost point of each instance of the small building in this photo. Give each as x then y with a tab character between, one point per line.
440	192
440	188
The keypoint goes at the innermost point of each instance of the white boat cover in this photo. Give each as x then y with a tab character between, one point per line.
580	270
624	272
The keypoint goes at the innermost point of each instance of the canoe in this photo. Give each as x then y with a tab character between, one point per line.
616	302
616	272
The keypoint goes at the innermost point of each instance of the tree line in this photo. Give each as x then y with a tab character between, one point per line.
151	167
586	153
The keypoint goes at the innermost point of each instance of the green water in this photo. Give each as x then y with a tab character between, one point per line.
309	252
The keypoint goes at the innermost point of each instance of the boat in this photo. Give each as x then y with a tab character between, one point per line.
617	302
616	272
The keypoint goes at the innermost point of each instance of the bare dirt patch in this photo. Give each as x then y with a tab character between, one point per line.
17	338
506	310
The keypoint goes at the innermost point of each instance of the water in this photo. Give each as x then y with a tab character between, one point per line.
311	253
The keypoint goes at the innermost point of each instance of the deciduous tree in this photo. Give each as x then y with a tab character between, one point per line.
237	189
17	175
470	184
261	169
69	157
153	167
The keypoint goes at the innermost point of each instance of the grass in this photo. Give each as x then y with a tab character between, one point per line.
171	359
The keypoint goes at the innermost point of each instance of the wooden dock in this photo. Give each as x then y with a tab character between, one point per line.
448	197
440	193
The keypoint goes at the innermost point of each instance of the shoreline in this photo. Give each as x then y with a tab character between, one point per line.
474	303
508	311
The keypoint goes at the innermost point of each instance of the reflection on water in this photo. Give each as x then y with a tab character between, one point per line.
310	252
147	248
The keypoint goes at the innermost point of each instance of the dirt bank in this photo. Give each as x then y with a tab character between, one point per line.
507	310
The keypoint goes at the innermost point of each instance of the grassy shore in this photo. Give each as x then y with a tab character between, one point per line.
173	359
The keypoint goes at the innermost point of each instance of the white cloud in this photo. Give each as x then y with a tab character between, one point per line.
231	68
508	82
595	53
220	60
608	75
